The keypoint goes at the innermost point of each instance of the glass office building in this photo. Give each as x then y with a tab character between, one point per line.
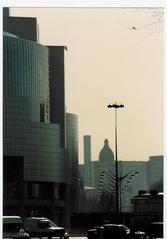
26	74
72	147
31	143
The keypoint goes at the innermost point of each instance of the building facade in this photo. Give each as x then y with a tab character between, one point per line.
23	27
135	180
149	204
40	139
31	142
155	170
72	149
56	89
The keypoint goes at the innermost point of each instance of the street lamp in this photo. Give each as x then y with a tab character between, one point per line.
116	106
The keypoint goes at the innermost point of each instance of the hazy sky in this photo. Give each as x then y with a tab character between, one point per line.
114	55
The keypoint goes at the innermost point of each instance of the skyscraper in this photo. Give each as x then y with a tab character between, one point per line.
56	92
87	161
72	148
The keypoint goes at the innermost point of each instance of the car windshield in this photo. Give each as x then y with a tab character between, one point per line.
126	228
52	224
12	227
45	224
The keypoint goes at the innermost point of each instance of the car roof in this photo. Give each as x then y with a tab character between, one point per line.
38	218
113	225
12	219
160	223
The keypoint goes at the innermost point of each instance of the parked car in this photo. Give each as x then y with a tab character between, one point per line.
139	235
43	227
13	228
118	231
115	231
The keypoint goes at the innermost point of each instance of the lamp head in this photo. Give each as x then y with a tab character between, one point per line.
115	105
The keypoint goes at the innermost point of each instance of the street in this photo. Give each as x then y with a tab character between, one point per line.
78	237
71	237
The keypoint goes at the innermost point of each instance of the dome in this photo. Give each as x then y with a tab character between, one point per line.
106	154
8	34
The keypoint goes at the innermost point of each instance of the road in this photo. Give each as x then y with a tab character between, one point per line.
78	237
71	237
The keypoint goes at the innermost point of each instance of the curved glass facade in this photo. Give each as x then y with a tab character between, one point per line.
35	162
27	131
26	74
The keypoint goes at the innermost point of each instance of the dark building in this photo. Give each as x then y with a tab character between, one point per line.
72	147
56	81
23	27
148	203
36	164
27	28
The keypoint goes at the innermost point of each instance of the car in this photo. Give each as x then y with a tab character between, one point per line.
115	231
95	232
118	231
43	227
139	235
13	228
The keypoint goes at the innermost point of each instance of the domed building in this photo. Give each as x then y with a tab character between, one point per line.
106	157
104	183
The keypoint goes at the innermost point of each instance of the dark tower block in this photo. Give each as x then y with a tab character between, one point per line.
23	27
56	82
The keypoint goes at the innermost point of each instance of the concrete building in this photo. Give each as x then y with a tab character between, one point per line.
135	180
155	170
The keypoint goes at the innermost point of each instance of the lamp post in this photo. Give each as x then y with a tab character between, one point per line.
116	106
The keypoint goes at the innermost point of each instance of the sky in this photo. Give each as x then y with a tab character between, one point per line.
114	55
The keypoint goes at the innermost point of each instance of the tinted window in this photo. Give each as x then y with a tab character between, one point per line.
12	227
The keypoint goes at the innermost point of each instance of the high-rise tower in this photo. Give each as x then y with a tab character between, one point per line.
87	161
57	94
